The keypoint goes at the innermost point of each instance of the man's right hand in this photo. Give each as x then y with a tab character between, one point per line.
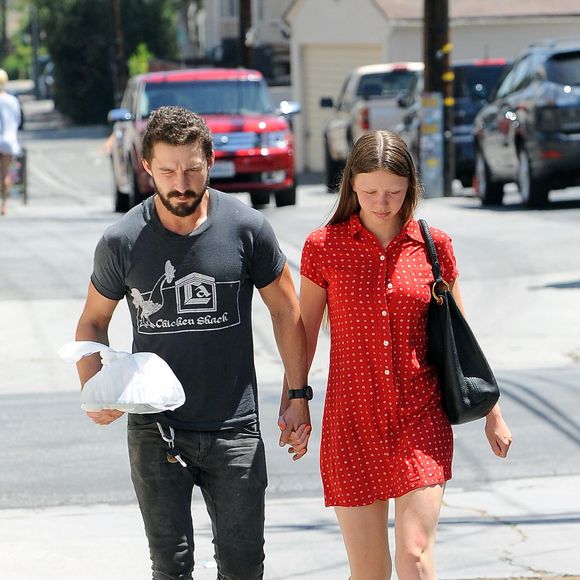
105	417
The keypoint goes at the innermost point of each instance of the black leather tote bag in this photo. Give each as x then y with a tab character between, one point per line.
468	388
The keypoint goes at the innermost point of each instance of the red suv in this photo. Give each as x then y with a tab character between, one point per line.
253	142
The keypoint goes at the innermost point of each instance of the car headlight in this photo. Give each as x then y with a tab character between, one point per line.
274	139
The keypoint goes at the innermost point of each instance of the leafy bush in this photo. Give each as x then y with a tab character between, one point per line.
139	60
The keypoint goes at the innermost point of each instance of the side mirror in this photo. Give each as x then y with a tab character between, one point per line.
119	115
289	108
326	103
405	100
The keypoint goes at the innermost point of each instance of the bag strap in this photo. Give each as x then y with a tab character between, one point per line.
439	286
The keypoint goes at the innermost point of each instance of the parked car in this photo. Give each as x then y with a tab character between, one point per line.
46	84
474	81
372	97
253	143
529	131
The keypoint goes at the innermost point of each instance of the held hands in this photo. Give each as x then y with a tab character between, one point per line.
497	433
294	423
105	417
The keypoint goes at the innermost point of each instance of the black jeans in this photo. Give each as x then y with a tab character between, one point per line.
230	469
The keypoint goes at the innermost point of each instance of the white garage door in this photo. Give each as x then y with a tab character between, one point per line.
325	68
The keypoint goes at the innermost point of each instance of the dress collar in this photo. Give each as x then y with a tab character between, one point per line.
410	229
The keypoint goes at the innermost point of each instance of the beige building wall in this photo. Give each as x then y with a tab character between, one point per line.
335	25
489	39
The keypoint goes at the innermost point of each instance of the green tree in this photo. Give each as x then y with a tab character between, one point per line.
139	60
80	39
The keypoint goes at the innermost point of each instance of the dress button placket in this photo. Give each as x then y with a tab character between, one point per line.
386	338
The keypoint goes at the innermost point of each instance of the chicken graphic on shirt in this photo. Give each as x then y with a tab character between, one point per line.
147	307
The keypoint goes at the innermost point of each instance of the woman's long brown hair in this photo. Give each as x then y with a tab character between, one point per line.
379	150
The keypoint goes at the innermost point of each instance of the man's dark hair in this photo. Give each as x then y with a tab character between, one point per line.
176	126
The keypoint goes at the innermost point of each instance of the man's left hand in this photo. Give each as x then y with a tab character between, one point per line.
294	422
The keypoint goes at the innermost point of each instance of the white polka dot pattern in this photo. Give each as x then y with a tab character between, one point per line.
384	432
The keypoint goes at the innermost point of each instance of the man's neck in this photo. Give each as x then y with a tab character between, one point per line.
182	226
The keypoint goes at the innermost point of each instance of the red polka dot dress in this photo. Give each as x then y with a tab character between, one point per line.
384	432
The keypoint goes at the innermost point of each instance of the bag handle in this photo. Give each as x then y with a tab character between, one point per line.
440	287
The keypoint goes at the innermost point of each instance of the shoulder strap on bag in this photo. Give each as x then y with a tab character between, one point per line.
439	286
431	250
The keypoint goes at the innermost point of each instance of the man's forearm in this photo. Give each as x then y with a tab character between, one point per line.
291	342
89	366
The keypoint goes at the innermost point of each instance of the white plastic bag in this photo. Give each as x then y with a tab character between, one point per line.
135	383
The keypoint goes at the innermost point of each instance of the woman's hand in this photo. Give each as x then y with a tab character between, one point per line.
497	433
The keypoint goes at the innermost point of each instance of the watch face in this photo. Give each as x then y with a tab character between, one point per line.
308	392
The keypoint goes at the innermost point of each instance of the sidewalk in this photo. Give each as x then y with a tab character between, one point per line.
528	528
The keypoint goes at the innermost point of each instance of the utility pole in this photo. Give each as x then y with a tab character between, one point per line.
246	52
119	66
439	76
34	33
4	39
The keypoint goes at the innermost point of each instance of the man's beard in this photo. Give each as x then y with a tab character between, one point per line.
182	209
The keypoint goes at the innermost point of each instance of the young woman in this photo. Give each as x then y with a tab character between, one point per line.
384	433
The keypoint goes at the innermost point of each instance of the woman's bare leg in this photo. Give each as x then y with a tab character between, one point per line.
365	534
416	518
4	180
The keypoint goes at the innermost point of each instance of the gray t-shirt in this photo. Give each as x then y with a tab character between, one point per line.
190	301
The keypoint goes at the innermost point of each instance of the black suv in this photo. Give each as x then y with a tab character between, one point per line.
529	131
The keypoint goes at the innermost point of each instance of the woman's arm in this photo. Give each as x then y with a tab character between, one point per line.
496	430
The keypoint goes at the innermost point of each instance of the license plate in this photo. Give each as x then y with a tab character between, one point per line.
223	169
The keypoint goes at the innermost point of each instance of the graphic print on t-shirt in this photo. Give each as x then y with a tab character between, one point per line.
195	302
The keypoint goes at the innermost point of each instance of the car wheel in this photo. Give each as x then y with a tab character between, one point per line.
121	199
260	198
490	192
136	196
332	171
534	191
466	180
286	197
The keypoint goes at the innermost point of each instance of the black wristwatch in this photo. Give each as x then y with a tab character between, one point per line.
304	393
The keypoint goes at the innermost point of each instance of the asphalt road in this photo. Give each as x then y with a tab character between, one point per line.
520	275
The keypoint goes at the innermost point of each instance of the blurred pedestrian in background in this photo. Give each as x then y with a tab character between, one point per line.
384	432
10	119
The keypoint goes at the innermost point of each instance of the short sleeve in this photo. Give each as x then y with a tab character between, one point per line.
108	276
309	263
444	245
267	260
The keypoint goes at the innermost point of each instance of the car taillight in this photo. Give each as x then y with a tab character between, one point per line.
364	118
548	119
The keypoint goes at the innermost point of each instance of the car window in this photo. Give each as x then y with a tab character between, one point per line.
476	82
564	68
389	84
340	99
228	97
127	102
522	74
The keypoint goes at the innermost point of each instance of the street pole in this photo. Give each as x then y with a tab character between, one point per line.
4	40
437	49
246	52
119	70
35	42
